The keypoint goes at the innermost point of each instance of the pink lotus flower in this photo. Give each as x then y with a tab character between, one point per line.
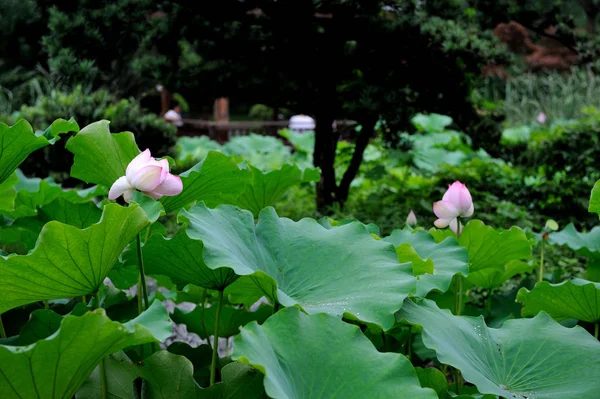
457	202
541	118
411	220
147	175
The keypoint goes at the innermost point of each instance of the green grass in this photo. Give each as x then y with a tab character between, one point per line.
559	95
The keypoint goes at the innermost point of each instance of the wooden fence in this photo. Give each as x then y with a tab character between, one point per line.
223	131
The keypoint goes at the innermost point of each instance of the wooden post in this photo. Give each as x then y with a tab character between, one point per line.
165	101
221	114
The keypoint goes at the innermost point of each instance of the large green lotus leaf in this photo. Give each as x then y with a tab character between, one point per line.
165	376
573	299
120	373
303	142
18	141
58	127
267	188
42	324
81	215
434	379
581	242
264	152
21	235
430	158
168	376
194	149
215	180
34	193
49	204
200	357
8	193
490	251
57	366
180	258
67	261
247	290
526	358
240	381
431	122
310	356
495	277
101	157
336	271
447	258
230	321
594	205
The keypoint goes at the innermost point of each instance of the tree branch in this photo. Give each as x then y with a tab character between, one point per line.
368	130
549	36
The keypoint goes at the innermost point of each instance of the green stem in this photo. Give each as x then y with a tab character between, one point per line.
457	381
458	285
46	305
409	344
2	331
84	300
102	366
215	354
148	231
541	273
140	302
142	285
460	295
596	328
276	307
204	302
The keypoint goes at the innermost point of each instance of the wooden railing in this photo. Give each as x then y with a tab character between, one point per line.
223	131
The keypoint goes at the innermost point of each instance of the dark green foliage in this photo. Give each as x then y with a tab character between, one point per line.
86	107
95	43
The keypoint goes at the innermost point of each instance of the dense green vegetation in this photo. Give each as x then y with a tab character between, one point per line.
446	245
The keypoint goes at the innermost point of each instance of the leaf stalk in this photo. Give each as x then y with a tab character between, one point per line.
215	354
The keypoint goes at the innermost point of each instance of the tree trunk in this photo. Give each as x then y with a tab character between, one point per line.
368	130
324	158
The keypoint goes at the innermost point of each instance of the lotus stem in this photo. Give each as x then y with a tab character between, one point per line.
102	365
204	303
541	272
46	305
142	288
409	343
2	331
215	354
596	328
84	300
457	380
458	285
459	289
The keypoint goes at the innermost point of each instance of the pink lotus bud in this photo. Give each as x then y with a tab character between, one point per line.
411	220
541	118
457	202
147	175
